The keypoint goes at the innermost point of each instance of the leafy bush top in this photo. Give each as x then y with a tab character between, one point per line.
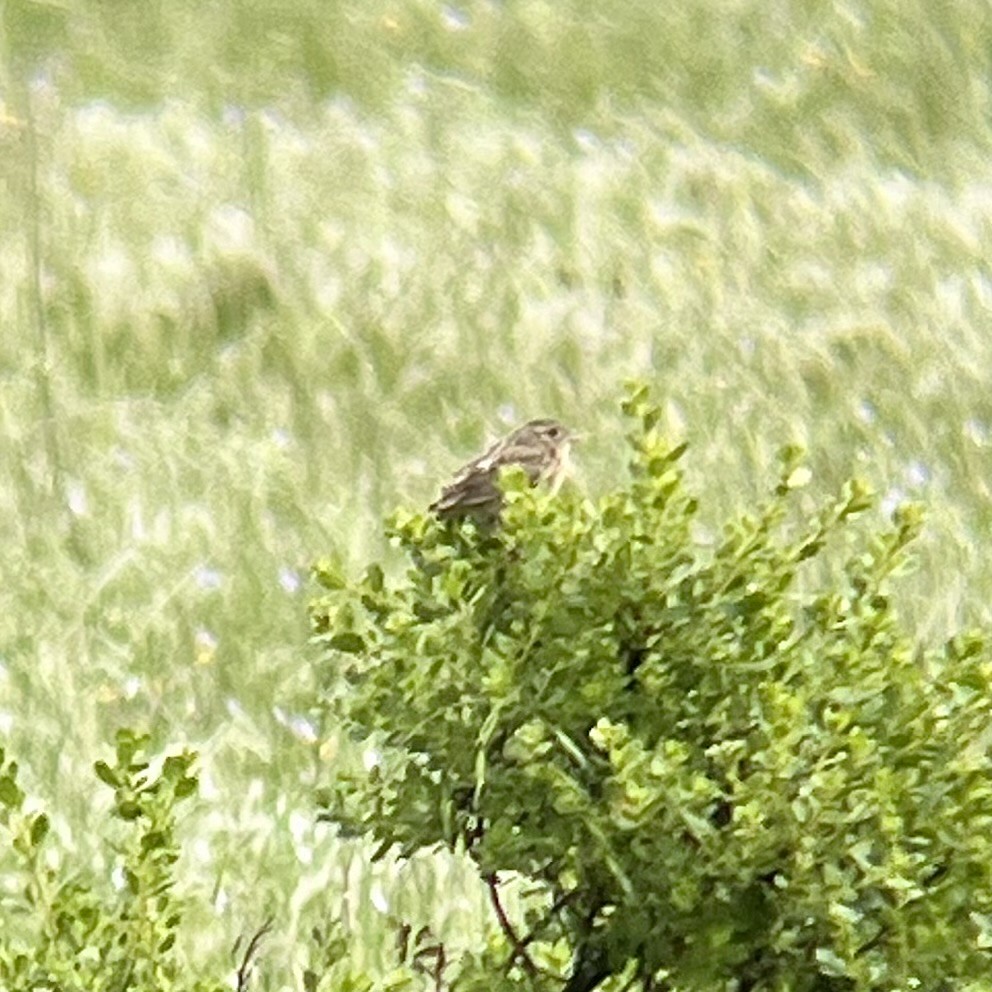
725	763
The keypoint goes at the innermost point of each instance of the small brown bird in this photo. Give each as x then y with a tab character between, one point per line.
541	448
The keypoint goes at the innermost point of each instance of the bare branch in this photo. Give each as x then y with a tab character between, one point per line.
251	952
519	948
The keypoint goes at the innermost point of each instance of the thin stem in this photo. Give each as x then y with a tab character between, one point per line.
519	950
251	952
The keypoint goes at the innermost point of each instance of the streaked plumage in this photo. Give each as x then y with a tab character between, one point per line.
540	448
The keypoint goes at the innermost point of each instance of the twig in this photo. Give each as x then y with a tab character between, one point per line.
519	949
521	943
251	951
559	904
434	952
423	952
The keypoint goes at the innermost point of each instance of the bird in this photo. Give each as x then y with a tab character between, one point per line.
540	447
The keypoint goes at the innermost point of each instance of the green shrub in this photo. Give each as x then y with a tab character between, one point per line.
713	764
62	930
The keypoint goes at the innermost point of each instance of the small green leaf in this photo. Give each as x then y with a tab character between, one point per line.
185	787
637	396
10	794
106	774
39	829
908	518
128	744
857	497
175	767
349	642
328	575
153	840
128	809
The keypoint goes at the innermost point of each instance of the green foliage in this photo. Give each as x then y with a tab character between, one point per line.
80	931
898	70
228	216
71	932
722	761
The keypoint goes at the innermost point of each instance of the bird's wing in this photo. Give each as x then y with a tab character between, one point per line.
473	487
475	484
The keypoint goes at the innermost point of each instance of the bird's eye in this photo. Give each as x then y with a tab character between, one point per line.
554	432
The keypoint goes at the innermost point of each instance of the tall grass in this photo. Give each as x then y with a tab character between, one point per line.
294	261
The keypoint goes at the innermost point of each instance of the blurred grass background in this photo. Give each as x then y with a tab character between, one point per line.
272	268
